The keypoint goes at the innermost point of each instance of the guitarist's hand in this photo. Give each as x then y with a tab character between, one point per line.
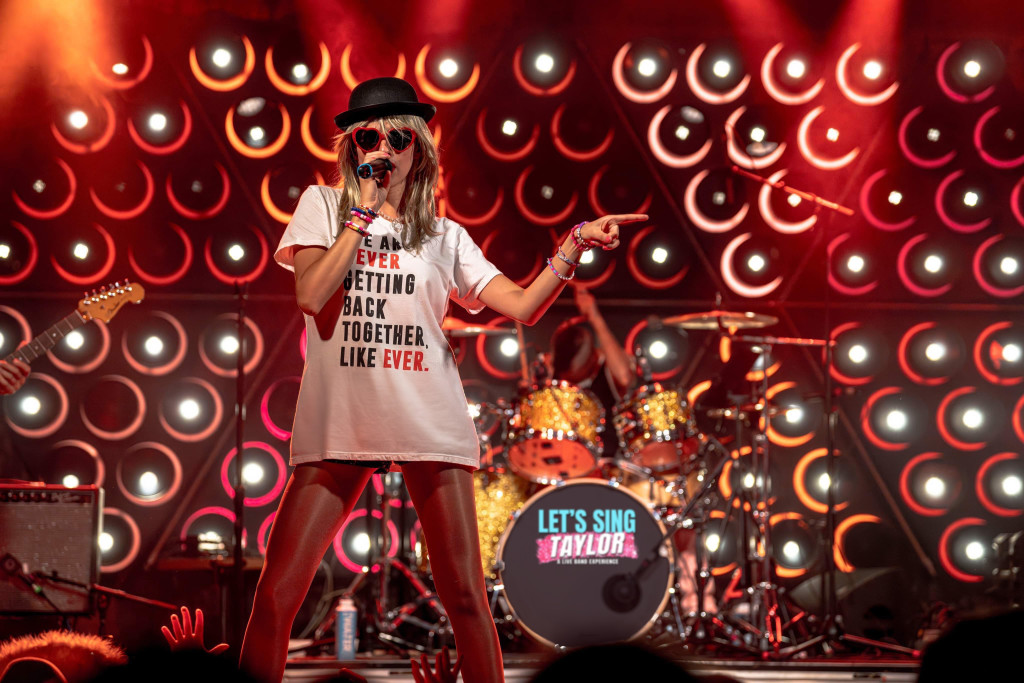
12	375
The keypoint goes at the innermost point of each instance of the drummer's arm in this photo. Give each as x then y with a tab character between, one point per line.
617	362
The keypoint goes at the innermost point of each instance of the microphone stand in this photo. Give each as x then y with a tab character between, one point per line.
238	563
831	627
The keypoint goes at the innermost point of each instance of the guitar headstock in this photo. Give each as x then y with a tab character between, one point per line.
105	302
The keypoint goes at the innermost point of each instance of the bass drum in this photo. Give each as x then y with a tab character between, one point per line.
566	563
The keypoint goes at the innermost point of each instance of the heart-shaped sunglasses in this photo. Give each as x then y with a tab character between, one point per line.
369	139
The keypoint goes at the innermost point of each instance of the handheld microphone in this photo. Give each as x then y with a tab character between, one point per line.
375	169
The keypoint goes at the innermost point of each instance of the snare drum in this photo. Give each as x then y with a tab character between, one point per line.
566	562
554	433
656	428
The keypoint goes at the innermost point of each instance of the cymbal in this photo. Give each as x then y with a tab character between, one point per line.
453	327
715	320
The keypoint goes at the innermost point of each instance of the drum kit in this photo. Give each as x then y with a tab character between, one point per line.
581	547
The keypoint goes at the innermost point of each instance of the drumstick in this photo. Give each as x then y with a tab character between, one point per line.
524	365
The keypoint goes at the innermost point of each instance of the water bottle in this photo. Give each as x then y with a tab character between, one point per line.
345	616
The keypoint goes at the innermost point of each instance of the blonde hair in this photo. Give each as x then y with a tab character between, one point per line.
78	656
418	207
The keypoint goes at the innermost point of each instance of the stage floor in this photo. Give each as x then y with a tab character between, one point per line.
520	668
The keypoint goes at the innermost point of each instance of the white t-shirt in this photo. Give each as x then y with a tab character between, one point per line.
380	380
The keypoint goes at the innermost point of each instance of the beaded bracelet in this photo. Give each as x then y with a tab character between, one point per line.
561	255
352	226
371	212
563	278
361	214
577	237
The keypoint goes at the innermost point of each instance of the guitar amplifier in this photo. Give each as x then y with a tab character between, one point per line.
49	530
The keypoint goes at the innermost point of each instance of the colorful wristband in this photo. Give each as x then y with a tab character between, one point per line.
561	255
577	237
352	226
563	278
365	209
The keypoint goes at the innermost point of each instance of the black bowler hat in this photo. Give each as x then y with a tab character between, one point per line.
383	97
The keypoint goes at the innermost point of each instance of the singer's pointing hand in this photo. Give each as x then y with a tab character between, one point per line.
605	230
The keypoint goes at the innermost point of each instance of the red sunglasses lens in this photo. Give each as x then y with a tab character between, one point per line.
367	138
400	138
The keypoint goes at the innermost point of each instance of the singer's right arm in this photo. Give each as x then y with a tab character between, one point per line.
320	272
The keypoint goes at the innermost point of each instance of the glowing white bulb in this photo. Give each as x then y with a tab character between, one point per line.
300	72
1009	265
933	134
824	481
658	349
756	263
972	69
1011	353
895	197
361	543
157	122
448	67
473	409
682	132
933	263
857	353
935	351
586	257
718	198
832	134
75	340
896	420
154	345
544	63
509	347
106	541
748	480
5	250
149	483
256	133
872	70
547	192
855	263
221	57
721	68
236	252
757	134
647	67
713	542
934	487
70	481
974	550
229	344
119	69
189	409
659	255
80	251
30	405
791	549
252	473
796	68
509	127
78	119
794	415
970	198
794	200
1012	485
973	418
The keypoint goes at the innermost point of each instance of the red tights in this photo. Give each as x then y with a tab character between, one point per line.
318	498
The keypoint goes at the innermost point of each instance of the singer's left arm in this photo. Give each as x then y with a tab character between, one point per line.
529	305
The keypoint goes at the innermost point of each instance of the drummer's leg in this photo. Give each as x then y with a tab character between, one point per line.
443	496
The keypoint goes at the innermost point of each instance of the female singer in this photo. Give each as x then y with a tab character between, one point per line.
374	270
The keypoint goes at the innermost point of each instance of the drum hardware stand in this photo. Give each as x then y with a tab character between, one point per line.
387	619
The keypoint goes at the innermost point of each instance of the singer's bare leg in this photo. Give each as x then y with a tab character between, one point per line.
443	497
316	502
